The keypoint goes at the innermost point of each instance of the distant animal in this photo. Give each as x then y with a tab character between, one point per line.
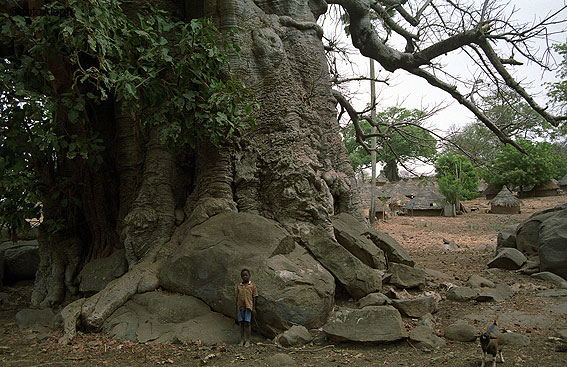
490	344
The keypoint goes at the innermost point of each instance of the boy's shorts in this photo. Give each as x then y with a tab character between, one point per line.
244	314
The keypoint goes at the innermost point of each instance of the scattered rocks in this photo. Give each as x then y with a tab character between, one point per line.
368	324
425	336
404	276
555	279
509	259
501	293
462	294
476	281
394	252
462	332
416	307
511	338
373	299
98	273
295	336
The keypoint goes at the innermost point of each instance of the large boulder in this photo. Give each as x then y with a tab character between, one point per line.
295	336
293	287
349	233
394	252
527	236
21	261
164	317
553	244
369	324
357	278
404	276
507	237
99	272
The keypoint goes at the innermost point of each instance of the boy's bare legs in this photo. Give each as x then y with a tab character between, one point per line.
247	334
242	332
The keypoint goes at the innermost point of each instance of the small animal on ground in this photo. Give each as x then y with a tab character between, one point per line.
490	344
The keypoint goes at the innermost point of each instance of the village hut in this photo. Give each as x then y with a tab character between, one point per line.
548	189
491	191
427	202
397	203
381	179
364	192
410	188
505	203
482	185
387	189
563	183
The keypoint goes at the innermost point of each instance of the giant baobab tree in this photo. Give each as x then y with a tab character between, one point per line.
144	196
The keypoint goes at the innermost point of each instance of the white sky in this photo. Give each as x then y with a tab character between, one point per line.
413	92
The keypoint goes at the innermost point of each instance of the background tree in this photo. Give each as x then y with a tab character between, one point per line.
401	137
516	169
457	177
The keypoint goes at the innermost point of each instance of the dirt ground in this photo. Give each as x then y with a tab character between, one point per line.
475	233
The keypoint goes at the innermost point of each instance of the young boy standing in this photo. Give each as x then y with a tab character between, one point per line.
246	295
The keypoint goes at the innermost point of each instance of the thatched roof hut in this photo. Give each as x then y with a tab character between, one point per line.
381	180
426	203
548	189
491	191
505	203
397	202
563	183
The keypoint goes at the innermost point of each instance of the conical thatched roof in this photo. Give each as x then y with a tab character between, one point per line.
505	198
387	189
381	179
398	199
364	192
548	186
427	199
563	181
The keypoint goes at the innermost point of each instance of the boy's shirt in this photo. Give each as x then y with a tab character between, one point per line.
245	294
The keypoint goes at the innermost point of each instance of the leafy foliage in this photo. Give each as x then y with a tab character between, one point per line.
537	167
457	177
79	55
558	90
403	139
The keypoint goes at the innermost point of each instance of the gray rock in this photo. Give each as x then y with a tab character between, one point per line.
394	252
295	336
501	293
404	276
462	332
562	334
369	324
98	273
416	307
373	299
425	336
552	249
293	287
553	293
31	317
553	278
348	232
357	278
21	262
509	259
507	237
462	294
161	317
476	281
437	275
280	359
513	339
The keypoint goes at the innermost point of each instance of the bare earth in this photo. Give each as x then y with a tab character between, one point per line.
475	233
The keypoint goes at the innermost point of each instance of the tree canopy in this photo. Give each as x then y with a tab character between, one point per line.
457	177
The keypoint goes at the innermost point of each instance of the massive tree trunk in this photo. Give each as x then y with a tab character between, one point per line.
293	168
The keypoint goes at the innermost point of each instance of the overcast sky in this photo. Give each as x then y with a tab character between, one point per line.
413	92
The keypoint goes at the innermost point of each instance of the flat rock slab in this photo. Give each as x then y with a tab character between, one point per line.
462	332
425	336
508	259
404	276
559	293
514	339
416	307
501	293
32	317
358	278
374	299
476	281
462	294
394	252
369	324
558	281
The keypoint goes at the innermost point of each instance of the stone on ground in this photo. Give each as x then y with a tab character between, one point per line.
416	307
476	281
509	259
99	272
501	293
394	252
553	278
462	294
461	331
280	359
357	278
507	237
425	336
373	299
552	249
348	232
293	287
514	339
404	276
21	261
368	324
295	336
31	317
